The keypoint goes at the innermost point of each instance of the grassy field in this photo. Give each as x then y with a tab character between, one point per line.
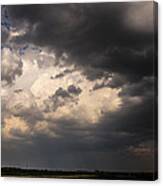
18	172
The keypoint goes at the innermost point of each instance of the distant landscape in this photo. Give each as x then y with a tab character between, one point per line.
78	174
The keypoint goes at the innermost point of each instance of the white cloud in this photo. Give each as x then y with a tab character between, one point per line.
38	83
20	102
11	65
14	128
91	106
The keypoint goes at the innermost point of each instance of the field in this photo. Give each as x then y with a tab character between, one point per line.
18	172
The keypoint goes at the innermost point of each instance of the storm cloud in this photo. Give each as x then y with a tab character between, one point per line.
102	40
79	86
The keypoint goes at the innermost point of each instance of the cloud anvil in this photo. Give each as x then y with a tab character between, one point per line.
79	87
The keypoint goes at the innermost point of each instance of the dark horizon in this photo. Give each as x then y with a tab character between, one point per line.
69	170
78	174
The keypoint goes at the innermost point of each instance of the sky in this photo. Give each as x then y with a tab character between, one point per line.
79	86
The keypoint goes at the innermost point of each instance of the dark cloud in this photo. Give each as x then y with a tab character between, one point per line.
145	87
61	92
65	72
5	36
74	90
62	97
35	115
18	90
112	81
71	90
58	99
100	40
59	75
118	81
134	120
